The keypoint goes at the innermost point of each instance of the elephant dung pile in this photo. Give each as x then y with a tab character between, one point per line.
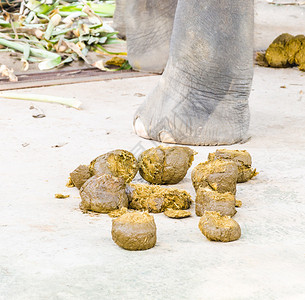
155	198
242	159
219	175
165	165
177	214
103	194
118	212
219	228
80	175
119	163
134	231
285	51
209	200
106	187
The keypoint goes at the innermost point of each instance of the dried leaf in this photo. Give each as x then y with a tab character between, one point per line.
93	17
38	112
6	72
77	50
100	65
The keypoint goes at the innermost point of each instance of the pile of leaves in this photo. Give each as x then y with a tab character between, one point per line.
53	33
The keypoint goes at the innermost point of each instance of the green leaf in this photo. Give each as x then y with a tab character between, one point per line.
42	98
101	9
125	66
40	8
52	59
104	9
26	51
49	64
114	41
102	40
104	50
93	40
5	24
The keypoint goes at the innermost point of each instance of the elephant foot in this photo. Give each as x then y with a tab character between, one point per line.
171	117
164	136
149	25
202	96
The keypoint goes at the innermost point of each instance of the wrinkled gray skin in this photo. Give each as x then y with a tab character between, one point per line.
119	18
148	26
202	96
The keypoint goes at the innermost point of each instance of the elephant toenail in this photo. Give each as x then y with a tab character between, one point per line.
166	137
139	128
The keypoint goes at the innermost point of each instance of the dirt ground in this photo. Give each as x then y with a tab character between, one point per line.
49	249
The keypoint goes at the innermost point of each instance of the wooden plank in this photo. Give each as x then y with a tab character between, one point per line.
40	79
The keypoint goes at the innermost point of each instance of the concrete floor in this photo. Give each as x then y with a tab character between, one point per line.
49	249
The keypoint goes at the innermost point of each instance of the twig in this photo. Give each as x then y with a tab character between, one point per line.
288	3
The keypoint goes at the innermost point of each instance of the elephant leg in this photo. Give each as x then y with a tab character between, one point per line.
149	25
202	96
119	17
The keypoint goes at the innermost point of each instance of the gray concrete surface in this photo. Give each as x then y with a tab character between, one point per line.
272	20
49	249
